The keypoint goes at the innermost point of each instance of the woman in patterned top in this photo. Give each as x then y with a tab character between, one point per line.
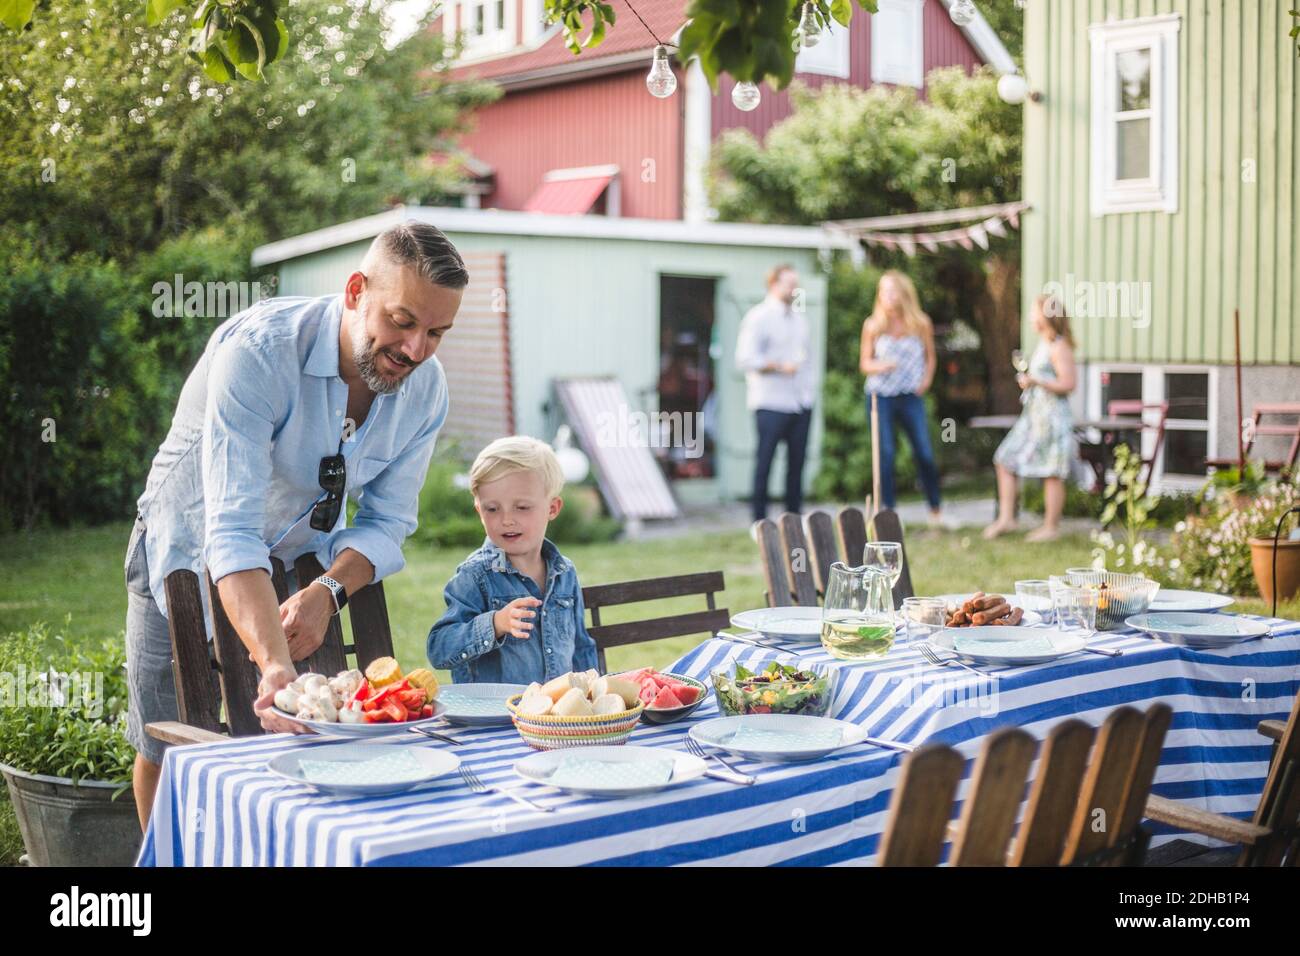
898	359
1042	443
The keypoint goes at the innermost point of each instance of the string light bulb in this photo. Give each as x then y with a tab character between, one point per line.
746	96
962	12
808	32
661	81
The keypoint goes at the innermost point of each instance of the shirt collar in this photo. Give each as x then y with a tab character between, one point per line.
556	563
323	360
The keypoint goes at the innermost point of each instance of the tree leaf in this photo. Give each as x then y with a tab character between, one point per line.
842	11
16	14
156	11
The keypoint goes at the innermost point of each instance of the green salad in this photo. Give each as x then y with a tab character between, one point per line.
776	689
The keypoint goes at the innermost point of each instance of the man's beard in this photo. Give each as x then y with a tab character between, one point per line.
366	357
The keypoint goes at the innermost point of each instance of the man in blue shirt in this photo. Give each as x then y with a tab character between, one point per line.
287	394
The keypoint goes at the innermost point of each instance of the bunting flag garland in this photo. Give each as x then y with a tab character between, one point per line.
888	232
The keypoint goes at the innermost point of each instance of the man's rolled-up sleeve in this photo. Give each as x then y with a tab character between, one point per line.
389	504
245	395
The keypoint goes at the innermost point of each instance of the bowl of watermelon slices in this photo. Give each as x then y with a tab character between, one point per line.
666	697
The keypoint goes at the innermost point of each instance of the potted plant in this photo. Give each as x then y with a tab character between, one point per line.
1274	557
63	750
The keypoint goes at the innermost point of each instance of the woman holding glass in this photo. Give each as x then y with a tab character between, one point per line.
1041	444
898	359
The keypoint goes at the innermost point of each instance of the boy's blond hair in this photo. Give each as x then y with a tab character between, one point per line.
515	453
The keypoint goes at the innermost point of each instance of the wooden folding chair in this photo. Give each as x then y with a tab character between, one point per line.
1135	407
1272	837
885	526
602	596
200	706
1084	806
1289	429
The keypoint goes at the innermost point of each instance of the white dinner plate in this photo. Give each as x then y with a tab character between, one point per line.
478	705
364	768
334	729
1031	646
1168	599
610	771
1198	630
803	624
1029	619
778	737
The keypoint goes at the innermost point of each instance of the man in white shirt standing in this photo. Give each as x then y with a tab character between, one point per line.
773	351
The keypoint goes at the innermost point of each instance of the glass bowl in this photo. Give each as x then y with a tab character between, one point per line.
807	689
1120	595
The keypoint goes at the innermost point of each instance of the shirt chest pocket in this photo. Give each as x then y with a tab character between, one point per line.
559	623
364	471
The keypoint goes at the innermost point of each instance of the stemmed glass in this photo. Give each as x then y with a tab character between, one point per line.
1019	360
885	557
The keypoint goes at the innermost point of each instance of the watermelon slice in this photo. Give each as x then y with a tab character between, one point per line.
666	700
686	693
636	676
648	692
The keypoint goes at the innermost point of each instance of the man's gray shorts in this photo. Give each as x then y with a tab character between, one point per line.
150	682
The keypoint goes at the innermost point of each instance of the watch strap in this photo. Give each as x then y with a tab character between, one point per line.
336	591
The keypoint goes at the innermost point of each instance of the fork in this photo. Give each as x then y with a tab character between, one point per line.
430	732
478	786
929	653
736	776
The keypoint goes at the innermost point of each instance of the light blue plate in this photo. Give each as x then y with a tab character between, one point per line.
1169	599
364	768
778	737
1198	630
610	771
478	705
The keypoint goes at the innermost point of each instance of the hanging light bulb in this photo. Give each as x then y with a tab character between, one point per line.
661	81
746	96
808	31
962	12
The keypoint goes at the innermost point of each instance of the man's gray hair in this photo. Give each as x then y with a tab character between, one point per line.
425	247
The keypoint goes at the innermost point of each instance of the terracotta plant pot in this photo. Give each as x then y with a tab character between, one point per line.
1288	567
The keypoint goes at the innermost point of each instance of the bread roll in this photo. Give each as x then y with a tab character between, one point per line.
535	705
580	680
608	704
629	691
555	689
574	703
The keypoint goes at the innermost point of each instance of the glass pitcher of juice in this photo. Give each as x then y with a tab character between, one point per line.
858	616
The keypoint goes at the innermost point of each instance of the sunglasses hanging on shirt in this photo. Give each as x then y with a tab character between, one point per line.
333	478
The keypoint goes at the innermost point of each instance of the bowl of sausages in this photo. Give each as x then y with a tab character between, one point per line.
980	610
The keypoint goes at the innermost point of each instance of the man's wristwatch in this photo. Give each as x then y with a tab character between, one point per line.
336	589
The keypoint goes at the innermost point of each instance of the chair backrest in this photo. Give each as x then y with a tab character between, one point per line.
1084	806
198	704
853	535
1287	429
1135	406
788	575
1279	804
885	526
601	596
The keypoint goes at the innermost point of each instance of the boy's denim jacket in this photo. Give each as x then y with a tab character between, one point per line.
463	639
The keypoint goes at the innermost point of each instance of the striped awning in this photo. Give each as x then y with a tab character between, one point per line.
567	197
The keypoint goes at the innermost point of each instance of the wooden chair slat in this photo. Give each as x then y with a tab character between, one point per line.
1101	801
885	526
1053	795
1279	805
989	814
853	534
239	676
1154	727
798	559
176	732
656	629
330	658
823	547
372	635
772	553
197	699
279	580
920	807
652	589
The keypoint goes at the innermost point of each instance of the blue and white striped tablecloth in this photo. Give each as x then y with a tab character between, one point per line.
218	804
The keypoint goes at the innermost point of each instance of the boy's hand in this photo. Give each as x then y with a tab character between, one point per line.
515	618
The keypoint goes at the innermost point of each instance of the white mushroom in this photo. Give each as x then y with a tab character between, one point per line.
286	698
350	716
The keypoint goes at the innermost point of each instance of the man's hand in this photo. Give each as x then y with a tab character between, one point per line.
274	678
514	618
304	617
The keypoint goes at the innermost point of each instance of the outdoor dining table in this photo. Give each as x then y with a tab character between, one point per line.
218	804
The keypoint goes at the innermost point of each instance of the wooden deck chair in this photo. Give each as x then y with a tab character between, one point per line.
885	526
1135	407
1272	836
1287	429
602	596
207	712
1084	806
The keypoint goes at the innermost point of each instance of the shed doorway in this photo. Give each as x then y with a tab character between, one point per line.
684	442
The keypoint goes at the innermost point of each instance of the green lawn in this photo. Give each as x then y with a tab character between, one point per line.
77	576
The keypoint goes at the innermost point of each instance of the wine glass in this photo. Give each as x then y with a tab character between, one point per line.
1019	360
885	557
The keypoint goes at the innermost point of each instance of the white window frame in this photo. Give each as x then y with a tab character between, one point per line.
884	70
1159	191
497	38
1153	392
830	57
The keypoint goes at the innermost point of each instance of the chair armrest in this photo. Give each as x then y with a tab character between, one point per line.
1272	729
174	732
1205	822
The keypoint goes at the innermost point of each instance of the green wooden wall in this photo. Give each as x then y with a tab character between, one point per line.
1232	243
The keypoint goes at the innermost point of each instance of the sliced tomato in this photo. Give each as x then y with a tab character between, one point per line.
415	697
363	691
375	717
394	710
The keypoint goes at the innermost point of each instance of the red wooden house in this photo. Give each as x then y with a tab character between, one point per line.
581	134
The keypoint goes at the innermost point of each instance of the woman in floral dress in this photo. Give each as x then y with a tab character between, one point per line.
1042	443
